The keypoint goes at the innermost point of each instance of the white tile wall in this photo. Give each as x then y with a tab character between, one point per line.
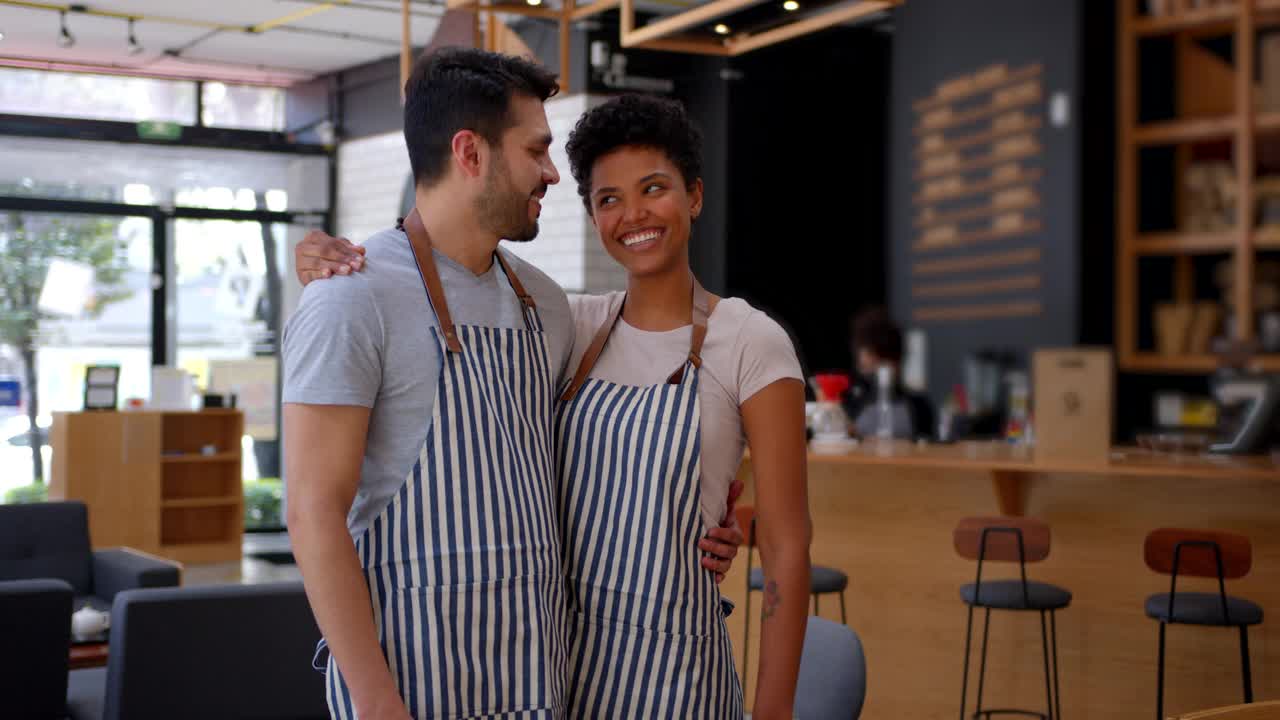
372	172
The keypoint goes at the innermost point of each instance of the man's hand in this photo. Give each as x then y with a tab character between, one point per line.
320	255
721	543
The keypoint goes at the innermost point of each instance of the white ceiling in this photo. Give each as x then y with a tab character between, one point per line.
336	36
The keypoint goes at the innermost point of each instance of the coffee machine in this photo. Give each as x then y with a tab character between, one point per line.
1248	411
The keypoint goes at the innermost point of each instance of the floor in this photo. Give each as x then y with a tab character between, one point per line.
250	570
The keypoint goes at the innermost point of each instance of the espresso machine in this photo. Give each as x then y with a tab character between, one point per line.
1248	411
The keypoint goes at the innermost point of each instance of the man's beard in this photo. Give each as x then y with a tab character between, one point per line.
504	211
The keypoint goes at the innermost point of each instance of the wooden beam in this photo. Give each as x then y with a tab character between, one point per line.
522	9
1126	311
693	47
626	19
811	24
594	8
406	47
566	36
1244	158
681	21
505	7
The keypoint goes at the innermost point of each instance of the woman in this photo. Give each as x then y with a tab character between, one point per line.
650	433
671	382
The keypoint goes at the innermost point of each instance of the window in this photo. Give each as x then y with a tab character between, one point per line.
243	106
97	97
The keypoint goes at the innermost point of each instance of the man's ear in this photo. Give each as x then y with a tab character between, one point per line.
468	150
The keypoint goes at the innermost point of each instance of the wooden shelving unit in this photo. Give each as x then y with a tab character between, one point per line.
149	484
1239	125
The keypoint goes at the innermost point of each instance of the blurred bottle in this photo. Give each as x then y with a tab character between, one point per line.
884	402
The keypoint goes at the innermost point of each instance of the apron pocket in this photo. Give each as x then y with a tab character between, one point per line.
480	649
621	670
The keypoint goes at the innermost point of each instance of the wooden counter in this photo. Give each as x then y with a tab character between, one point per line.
885	516
1012	466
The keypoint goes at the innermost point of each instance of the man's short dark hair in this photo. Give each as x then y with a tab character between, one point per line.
453	89
874	330
640	120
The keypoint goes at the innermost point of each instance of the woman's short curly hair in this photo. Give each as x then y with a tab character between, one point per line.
637	120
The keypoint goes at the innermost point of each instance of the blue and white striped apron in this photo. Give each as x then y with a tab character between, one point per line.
647	637
463	565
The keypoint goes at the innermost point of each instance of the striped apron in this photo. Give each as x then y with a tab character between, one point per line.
647	637
463	565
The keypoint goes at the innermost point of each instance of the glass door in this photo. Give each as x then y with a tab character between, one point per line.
75	292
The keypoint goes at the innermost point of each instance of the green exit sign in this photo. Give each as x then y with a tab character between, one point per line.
156	130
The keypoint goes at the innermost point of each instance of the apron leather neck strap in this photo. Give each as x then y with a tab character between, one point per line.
420	241
701	310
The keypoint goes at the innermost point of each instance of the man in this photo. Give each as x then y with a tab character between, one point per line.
877	348
418	409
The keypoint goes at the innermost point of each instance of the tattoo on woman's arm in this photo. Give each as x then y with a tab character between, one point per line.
772	599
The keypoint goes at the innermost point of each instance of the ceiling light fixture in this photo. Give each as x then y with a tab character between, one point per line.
134	46
65	39
534	3
721	29
791	6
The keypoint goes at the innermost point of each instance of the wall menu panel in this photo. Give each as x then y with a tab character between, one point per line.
985	192
976	170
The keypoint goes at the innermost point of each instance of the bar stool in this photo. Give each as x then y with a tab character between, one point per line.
822	580
1009	539
1207	554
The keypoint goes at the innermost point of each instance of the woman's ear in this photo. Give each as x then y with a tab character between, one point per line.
695	199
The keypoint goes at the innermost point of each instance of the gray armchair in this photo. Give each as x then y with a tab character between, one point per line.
51	540
35	619
206	653
833	673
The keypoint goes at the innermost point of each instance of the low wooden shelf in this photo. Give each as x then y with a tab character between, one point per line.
148	484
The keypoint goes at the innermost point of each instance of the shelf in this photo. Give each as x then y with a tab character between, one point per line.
1216	18
1198	19
196	458
1153	362
1267	237
1156	363
1189	243
1189	130
202	552
201	502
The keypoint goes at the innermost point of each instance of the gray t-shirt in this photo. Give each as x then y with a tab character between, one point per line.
366	339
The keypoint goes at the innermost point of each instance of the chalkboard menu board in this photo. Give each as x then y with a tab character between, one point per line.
977	166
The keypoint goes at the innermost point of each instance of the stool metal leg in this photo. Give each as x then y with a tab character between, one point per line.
964	682
1160	677
1244	664
1048	689
746	626
1057	690
844	619
982	667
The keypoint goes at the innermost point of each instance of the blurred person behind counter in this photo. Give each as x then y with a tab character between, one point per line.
877	352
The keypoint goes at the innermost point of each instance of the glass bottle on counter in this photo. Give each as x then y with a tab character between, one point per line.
884	402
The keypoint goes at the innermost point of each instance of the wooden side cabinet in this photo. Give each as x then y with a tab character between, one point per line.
150	483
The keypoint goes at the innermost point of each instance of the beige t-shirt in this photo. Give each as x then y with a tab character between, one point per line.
744	351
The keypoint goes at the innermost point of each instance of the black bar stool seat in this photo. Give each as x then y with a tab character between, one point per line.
1195	608
1007	595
